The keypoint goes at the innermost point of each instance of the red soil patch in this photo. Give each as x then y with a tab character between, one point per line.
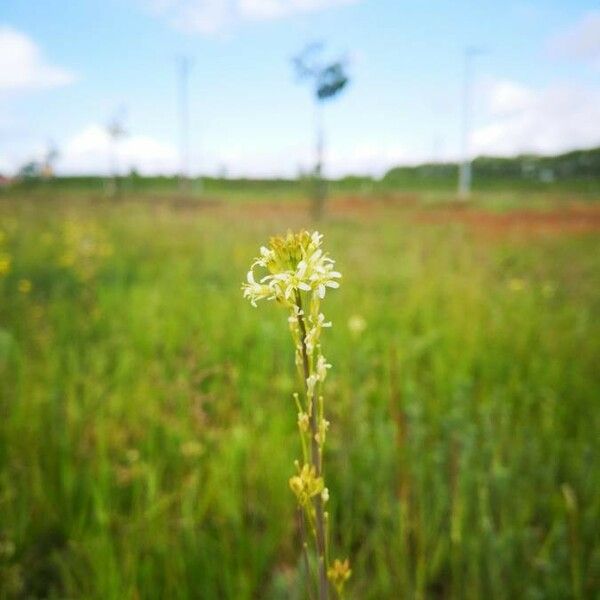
571	219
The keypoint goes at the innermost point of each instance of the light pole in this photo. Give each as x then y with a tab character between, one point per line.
115	131
464	174
184	118
320	190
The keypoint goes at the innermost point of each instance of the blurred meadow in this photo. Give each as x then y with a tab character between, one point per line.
449	153
147	428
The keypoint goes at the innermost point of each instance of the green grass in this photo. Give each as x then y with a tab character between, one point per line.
407	181
147	429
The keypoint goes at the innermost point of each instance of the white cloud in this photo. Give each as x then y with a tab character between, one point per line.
581	41
5	165
90	151
506	97
22	65
289	161
194	16
274	9
545	120
215	16
370	158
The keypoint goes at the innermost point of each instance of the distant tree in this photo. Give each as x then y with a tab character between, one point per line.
328	80
30	170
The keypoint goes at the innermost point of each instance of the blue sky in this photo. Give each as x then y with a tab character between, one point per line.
66	68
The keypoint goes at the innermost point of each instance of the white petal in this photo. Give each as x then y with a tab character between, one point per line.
301	269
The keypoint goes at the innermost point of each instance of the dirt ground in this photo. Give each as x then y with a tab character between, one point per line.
570	218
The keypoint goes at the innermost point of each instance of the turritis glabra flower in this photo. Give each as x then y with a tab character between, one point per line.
294	262
297	274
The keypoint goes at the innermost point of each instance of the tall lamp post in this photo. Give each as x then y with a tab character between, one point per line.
184	122
115	131
465	173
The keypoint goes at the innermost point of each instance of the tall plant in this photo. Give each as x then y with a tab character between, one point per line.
297	275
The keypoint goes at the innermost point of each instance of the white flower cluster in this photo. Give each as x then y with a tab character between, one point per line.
298	275
295	263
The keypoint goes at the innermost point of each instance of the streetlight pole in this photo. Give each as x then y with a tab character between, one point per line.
115	132
465	174
184	118
320	152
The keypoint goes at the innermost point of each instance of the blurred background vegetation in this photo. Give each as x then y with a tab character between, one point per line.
578	171
147	429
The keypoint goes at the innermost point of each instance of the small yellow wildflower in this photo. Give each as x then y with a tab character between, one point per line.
339	573
67	259
24	286
132	455
516	285
4	264
306	484
191	449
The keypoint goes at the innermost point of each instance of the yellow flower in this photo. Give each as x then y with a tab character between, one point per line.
191	449
339	573
306	484
516	285
295	262
24	286
4	264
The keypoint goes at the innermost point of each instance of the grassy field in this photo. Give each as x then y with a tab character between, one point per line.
147	429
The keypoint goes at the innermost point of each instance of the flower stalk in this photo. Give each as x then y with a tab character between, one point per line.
315	453
298	276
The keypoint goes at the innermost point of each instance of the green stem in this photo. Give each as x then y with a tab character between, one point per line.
316	460
305	553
